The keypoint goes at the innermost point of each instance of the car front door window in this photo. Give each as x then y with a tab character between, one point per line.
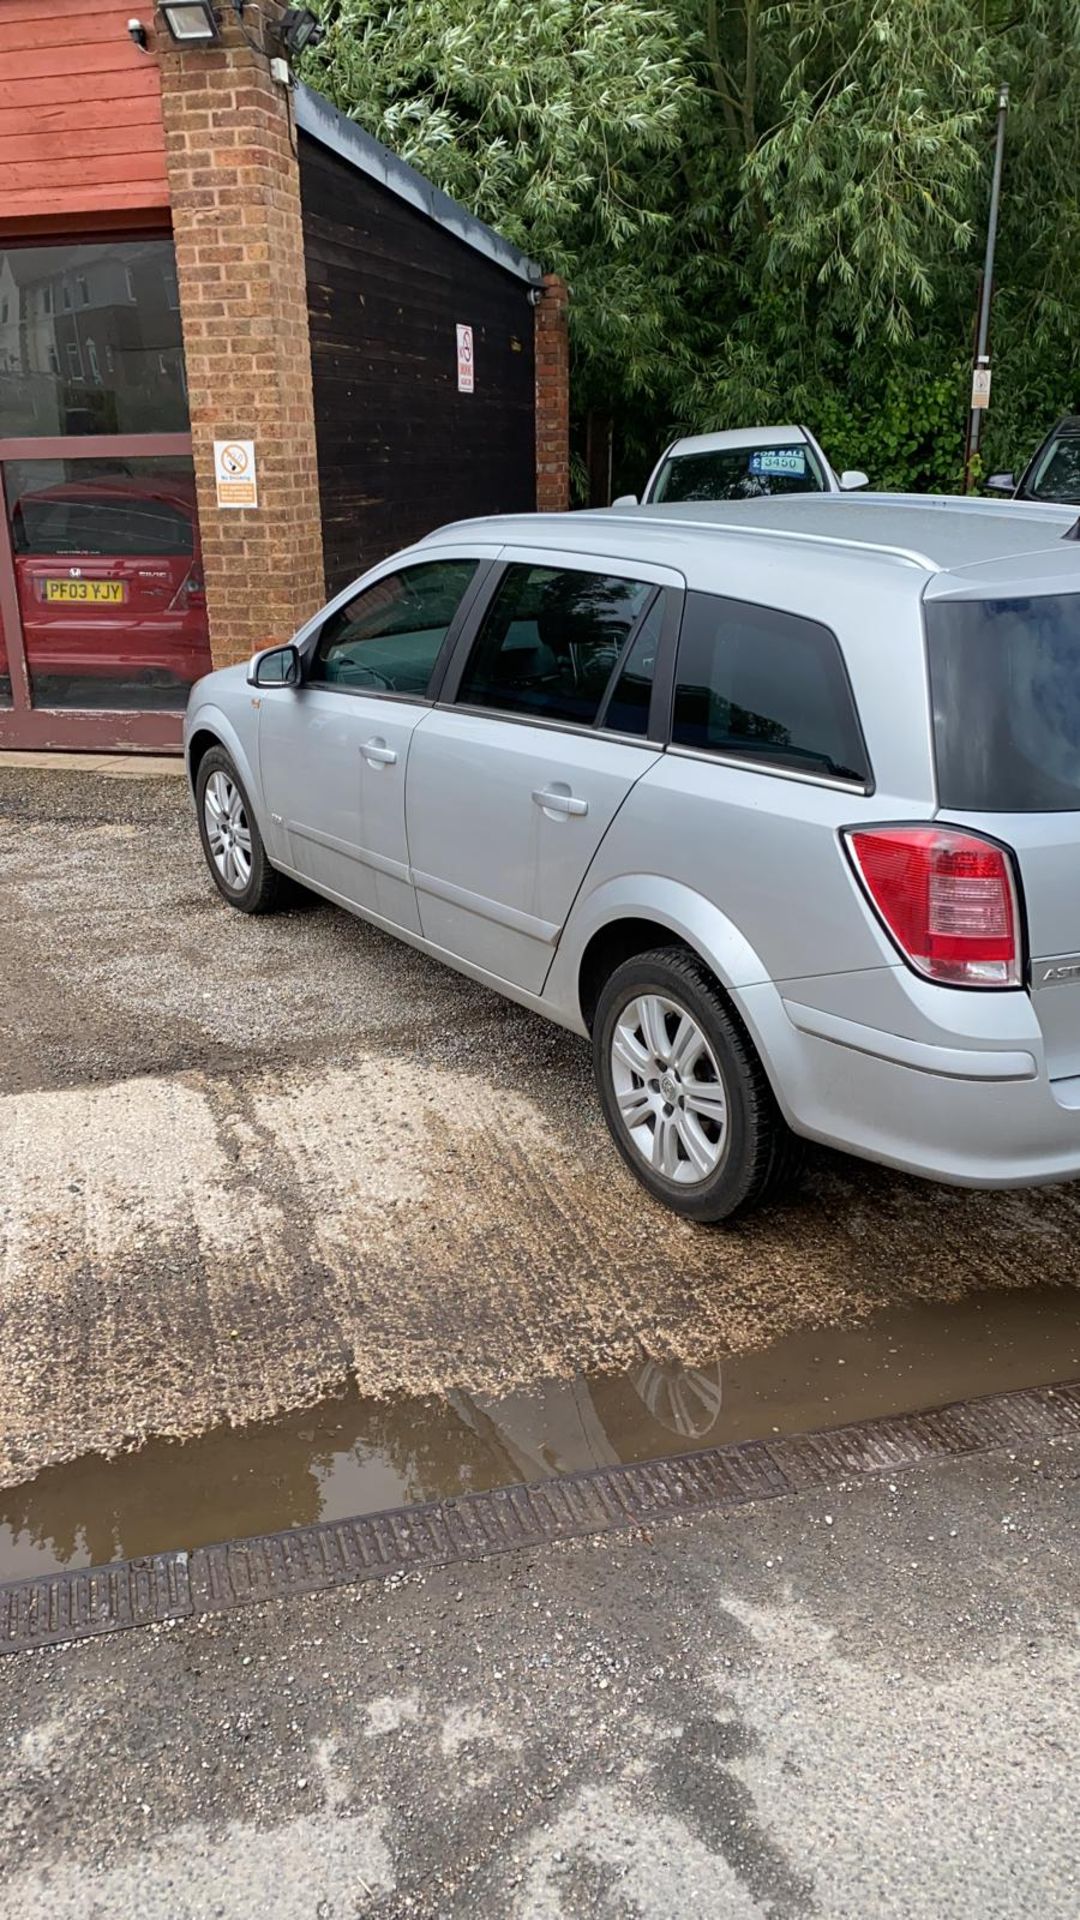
389	636
334	751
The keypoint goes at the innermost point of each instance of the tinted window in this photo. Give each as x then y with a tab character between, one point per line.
387	639
96	519
91	339
550	641
1005	684
627	710
740	473
1057	475
762	685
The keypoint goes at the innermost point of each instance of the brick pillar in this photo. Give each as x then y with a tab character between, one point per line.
235	190
553	396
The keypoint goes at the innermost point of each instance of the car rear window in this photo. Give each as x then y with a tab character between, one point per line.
740	473
758	685
124	526
1005	687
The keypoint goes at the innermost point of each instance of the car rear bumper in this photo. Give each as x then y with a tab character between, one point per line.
974	1115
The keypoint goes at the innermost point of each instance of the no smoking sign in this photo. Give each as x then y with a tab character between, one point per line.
234	473
466	376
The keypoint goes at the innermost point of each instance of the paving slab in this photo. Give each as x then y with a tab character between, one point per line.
128	766
856	1702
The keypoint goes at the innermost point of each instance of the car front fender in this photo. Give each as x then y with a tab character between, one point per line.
209	717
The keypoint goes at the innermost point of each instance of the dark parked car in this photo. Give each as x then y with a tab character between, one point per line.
1053	472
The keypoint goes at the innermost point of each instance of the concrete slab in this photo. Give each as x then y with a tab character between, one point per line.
124	766
851	1702
246	1160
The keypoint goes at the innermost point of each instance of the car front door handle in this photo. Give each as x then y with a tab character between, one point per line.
378	753
553	801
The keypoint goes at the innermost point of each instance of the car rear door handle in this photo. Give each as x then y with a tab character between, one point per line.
553	801
378	753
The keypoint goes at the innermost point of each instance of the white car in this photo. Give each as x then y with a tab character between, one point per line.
743	464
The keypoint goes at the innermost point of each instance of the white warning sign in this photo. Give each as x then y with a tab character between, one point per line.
234	473
466	377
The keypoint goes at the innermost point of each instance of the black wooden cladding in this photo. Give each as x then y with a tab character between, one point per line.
400	449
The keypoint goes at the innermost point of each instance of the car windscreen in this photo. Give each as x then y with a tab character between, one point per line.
740	473
1005	688
1056	474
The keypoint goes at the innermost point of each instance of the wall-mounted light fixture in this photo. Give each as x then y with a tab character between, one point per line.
190	23
298	29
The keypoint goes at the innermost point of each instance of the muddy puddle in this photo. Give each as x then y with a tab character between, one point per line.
350	1455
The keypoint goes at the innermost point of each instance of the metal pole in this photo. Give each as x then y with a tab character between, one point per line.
986	293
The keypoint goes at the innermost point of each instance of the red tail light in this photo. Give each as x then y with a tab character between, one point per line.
947	898
191	591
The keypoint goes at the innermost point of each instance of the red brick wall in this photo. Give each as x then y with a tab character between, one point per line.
234	187
553	397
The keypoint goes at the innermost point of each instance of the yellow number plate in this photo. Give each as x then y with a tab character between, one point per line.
107	592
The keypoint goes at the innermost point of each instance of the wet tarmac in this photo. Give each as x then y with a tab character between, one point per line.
349	1455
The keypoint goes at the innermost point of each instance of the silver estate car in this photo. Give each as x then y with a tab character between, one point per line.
779	802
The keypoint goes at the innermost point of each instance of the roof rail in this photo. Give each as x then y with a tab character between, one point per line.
910	555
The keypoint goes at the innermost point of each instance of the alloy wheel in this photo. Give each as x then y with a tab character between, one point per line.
228	832
669	1090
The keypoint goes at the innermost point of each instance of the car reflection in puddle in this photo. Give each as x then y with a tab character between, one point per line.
565	1426
344	1457
349	1456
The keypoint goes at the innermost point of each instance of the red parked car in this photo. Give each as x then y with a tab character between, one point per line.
111	590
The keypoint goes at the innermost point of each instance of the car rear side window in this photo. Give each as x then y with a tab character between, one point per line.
550	642
1005	687
758	685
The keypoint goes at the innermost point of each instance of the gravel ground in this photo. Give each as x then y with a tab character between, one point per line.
857	1705
246	1160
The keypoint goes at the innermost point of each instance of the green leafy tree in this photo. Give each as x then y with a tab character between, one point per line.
765	211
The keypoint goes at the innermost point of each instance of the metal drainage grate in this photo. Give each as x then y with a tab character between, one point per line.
172	1586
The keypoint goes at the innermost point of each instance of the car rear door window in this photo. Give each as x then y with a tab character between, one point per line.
389	636
758	685
628	704
550	642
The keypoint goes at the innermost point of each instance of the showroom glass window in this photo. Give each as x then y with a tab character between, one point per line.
102	600
90	340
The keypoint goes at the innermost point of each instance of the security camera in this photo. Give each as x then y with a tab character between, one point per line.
139	34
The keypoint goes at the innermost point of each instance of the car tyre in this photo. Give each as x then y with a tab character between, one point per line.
683	1091
231	841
